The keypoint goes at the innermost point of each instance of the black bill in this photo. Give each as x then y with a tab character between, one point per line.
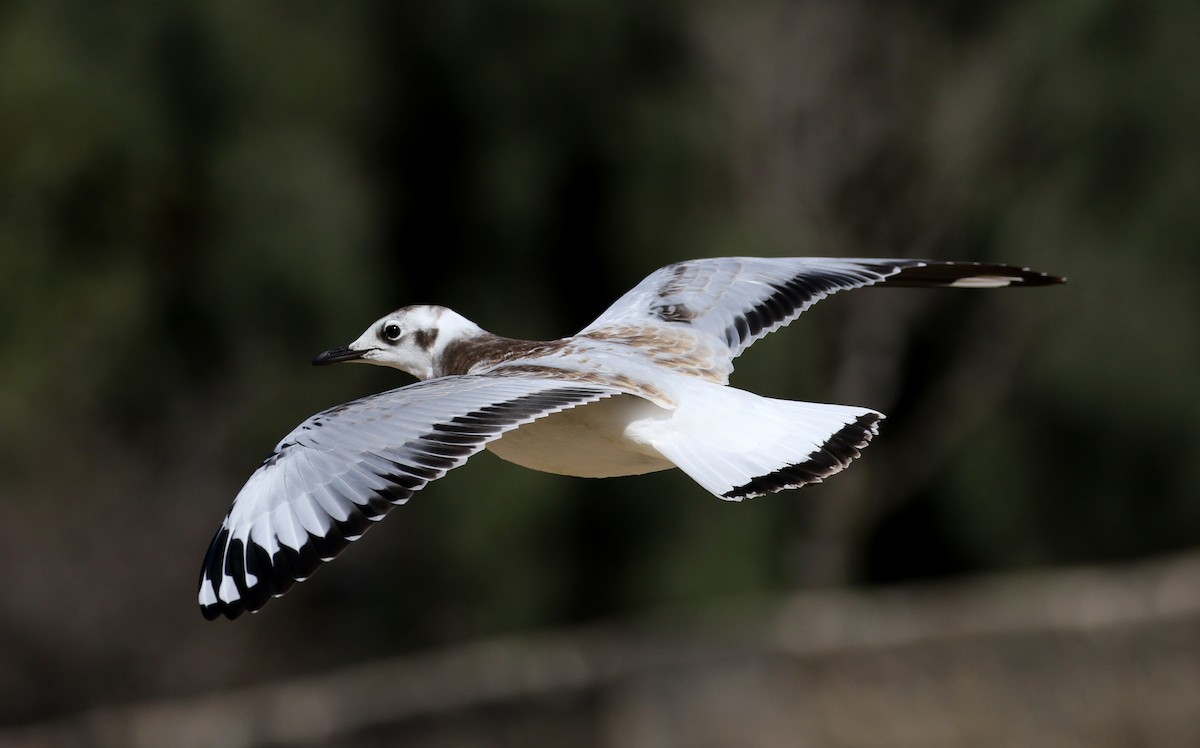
337	355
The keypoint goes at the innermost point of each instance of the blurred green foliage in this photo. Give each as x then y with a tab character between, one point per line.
197	197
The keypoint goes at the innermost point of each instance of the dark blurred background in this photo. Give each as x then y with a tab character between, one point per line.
197	197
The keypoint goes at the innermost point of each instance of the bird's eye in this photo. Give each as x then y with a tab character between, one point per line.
392	332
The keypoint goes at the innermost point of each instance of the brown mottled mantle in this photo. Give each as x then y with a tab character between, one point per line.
461	356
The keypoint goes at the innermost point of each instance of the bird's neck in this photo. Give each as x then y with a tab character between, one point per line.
476	353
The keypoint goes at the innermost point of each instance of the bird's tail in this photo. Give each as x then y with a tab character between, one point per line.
739	445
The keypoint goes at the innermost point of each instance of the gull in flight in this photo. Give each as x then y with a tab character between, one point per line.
643	388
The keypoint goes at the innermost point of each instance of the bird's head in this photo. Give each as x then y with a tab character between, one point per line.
409	339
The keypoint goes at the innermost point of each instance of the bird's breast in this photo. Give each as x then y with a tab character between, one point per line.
591	441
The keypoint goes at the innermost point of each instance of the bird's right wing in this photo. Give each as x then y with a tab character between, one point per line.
342	469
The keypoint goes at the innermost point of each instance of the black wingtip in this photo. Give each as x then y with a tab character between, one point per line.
213	612
1036	278
930	273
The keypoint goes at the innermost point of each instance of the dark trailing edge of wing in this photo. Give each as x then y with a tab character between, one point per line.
789	299
444	447
833	456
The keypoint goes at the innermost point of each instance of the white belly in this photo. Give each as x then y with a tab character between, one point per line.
591	441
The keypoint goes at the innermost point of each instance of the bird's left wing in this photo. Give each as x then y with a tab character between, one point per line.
344	468
733	301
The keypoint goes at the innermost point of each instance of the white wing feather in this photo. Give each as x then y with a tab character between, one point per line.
328	480
738	300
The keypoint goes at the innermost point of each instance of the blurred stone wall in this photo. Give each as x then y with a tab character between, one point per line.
1092	657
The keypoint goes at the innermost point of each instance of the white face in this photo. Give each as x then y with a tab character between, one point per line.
409	339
